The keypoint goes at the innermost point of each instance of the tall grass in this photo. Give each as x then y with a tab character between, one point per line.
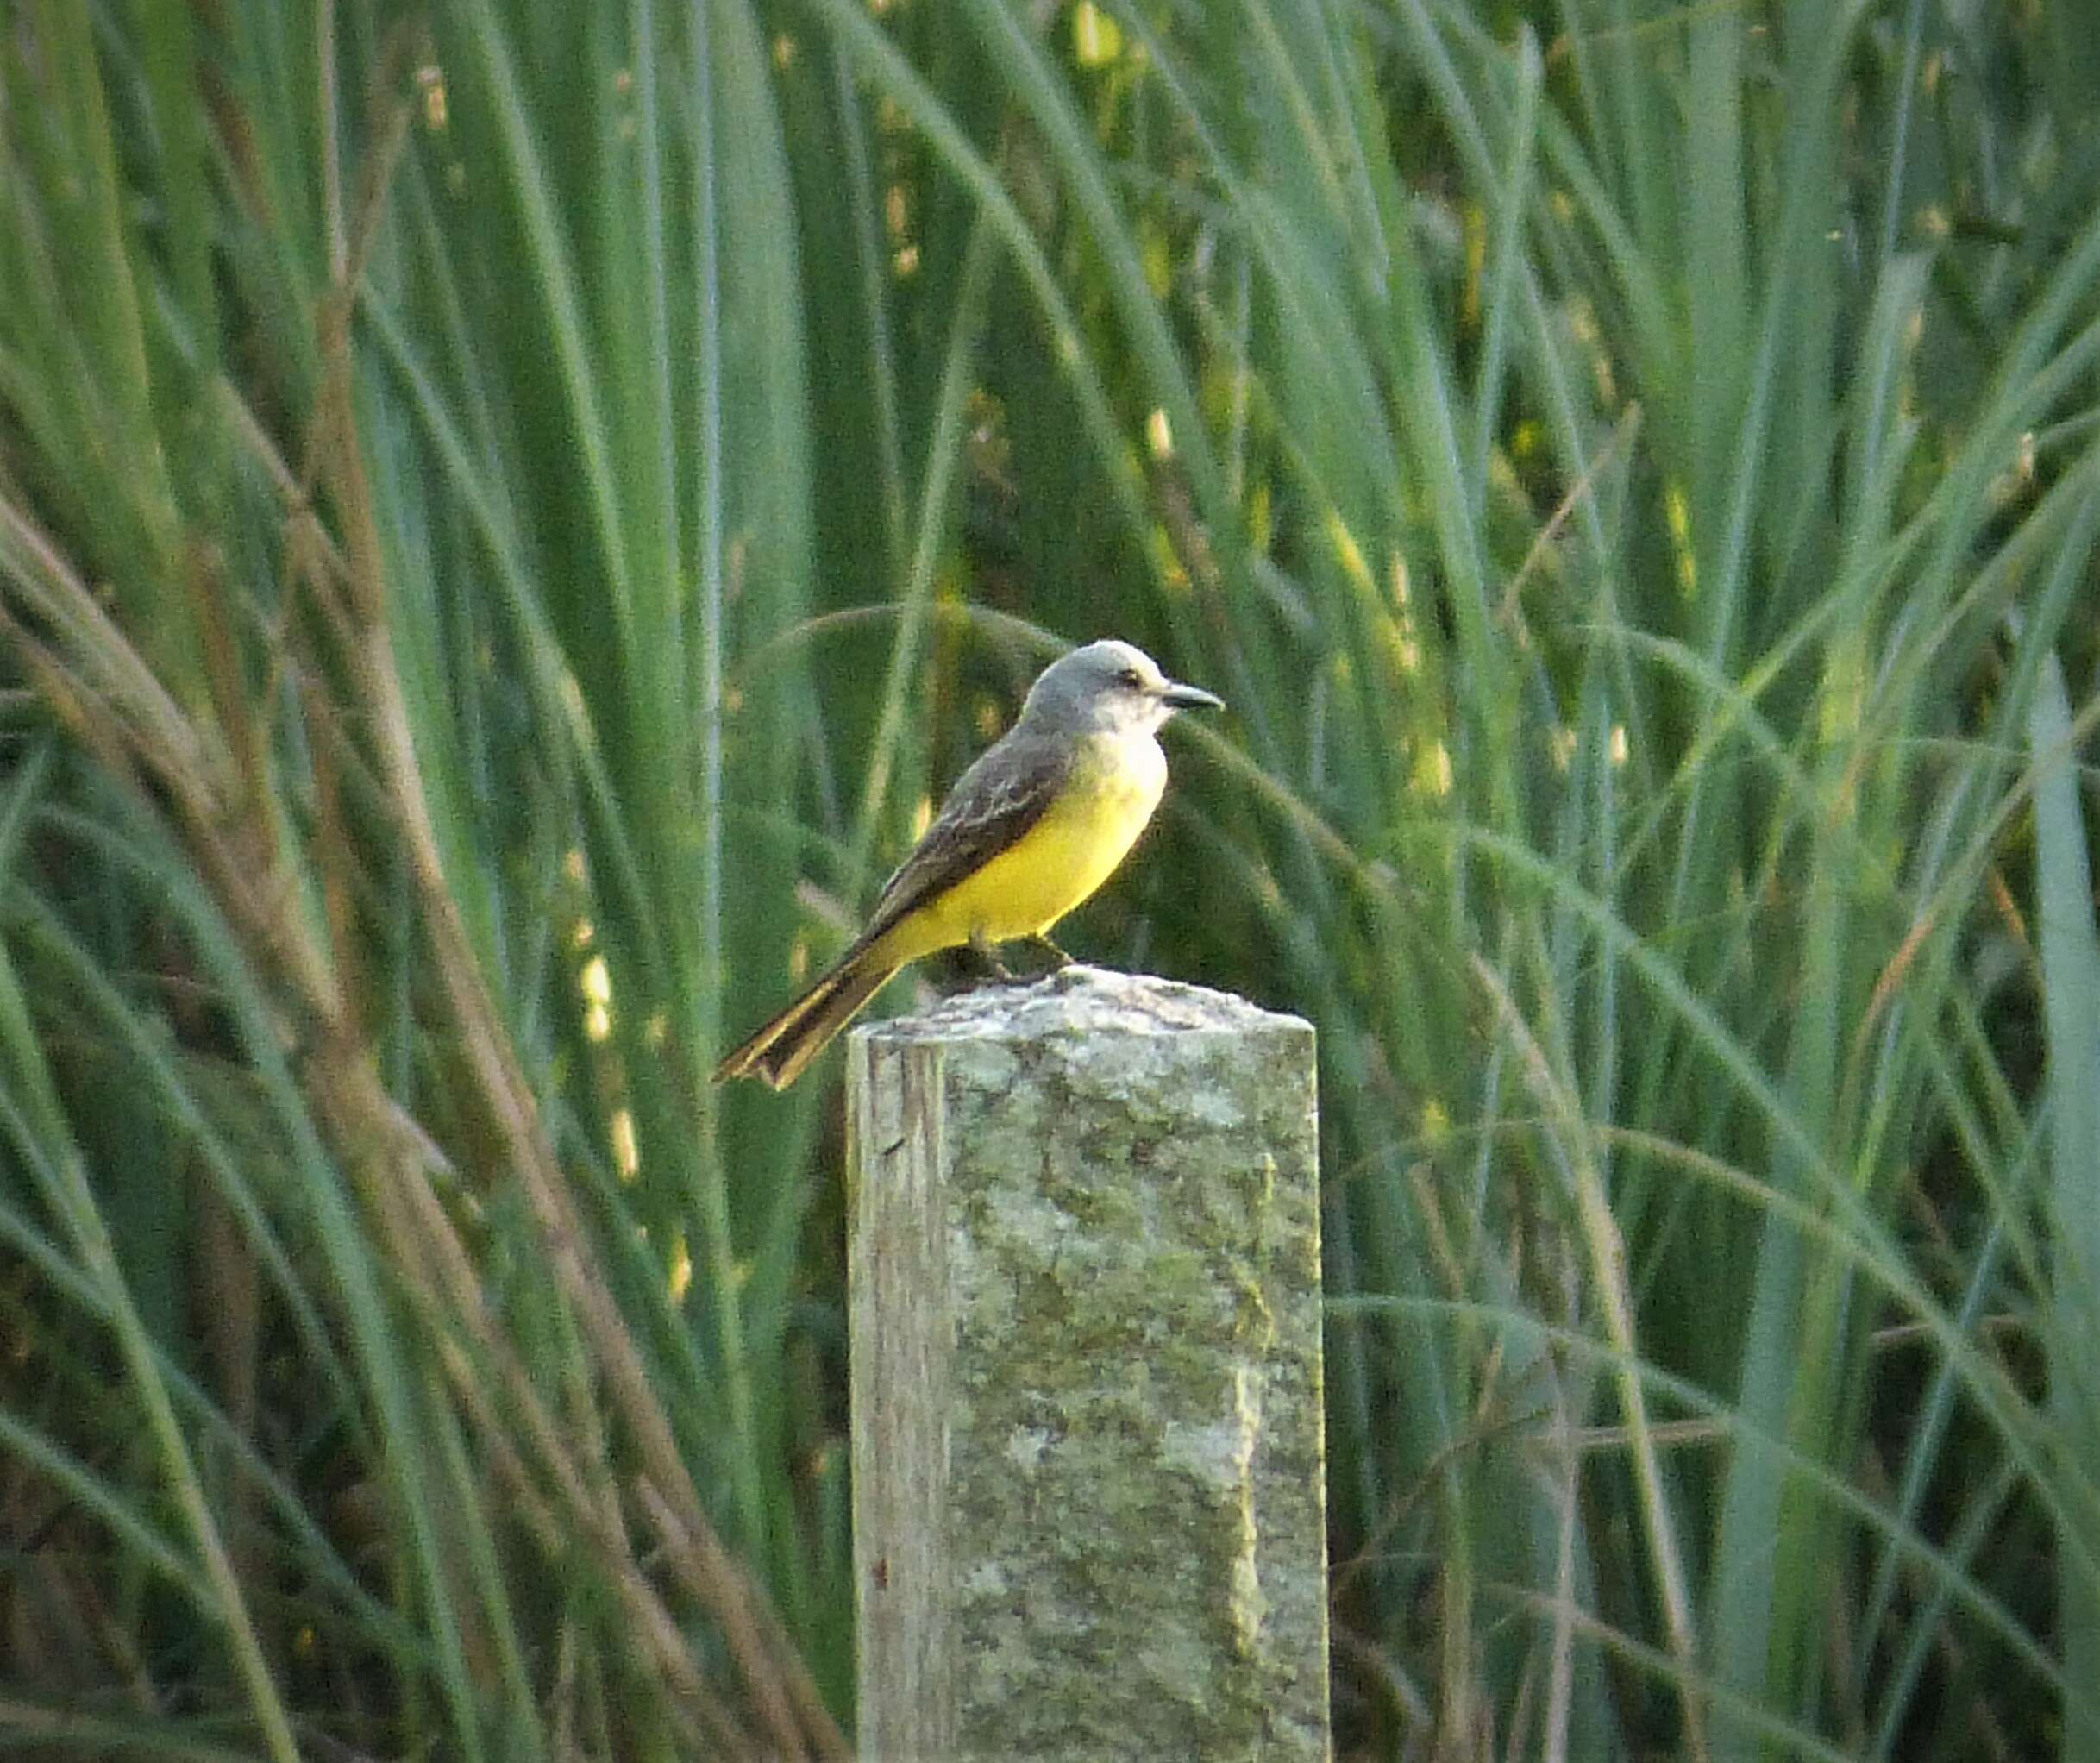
508	512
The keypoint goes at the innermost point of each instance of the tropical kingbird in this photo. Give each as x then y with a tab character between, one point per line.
1030	830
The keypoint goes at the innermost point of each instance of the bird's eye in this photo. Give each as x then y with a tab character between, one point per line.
1131	678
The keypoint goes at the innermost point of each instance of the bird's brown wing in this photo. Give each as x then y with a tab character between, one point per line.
995	802
992	804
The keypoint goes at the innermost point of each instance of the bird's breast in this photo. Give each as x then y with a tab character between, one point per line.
1109	794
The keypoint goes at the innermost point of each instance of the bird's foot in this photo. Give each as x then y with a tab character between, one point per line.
1058	959
980	946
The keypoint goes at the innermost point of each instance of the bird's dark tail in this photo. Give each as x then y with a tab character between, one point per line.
782	1051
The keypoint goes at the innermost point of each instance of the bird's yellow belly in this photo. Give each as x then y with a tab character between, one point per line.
1059	860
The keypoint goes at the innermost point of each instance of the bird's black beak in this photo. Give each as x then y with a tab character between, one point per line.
1179	697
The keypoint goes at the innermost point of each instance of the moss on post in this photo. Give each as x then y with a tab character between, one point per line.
1087	1433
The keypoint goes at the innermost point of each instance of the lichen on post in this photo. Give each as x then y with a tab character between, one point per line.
1085	1334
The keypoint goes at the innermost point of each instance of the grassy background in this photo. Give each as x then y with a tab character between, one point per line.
491	492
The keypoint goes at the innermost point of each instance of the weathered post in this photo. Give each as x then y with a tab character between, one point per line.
1088	1513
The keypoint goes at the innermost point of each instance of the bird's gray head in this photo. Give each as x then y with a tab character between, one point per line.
1111	687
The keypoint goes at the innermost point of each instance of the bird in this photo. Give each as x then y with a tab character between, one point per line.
1039	822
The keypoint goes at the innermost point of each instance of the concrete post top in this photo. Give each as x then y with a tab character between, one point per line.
1082	1000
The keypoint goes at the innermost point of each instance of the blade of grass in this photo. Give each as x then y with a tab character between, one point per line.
2070	950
